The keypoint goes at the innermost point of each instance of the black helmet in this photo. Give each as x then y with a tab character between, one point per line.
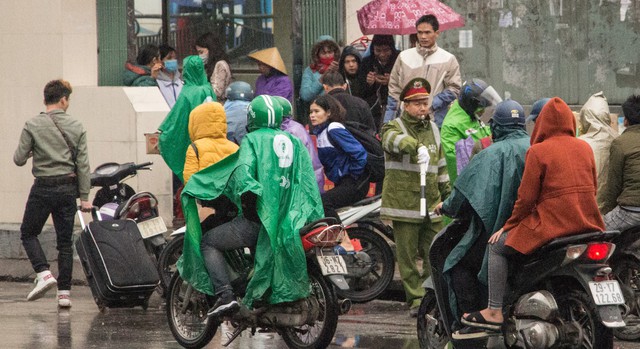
476	94
509	113
239	91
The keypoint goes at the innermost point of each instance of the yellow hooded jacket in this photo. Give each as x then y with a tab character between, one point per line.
208	131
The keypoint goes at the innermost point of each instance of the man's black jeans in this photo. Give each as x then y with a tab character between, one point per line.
60	202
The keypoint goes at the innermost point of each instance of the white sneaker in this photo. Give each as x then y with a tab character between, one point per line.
44	282
64	299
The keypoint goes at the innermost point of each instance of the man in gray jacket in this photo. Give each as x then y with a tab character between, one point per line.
60	163
439	67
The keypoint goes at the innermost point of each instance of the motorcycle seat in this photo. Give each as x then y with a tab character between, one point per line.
327	221
367	201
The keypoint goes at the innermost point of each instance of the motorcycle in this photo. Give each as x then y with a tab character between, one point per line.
564	295
305	323
117	200
372	265
370	268
625	263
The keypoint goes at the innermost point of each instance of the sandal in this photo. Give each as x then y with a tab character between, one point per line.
476	319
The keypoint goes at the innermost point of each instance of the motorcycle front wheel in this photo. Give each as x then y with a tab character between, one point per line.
431	332
627	272
168	259
187	314
367	279
320	334
577	307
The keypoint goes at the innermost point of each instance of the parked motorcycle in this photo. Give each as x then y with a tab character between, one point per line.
564	295
117	200
370	268
625	262
306	323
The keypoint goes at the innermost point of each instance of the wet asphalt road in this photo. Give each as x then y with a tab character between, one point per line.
39	325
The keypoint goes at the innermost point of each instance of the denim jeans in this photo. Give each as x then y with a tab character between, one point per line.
499	255
622	219
240	232
59	202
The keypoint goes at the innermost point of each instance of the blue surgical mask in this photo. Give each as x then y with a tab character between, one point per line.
171	65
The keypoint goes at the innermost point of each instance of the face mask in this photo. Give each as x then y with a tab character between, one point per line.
171	65
204	57
326	61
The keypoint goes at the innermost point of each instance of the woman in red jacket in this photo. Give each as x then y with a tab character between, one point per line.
557	197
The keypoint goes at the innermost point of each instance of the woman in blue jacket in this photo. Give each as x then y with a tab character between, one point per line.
342	156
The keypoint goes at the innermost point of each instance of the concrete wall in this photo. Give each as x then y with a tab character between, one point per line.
352	29
45	40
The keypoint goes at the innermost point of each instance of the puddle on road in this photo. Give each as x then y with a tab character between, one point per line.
374	342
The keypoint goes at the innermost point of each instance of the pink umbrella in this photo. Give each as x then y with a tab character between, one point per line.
398	17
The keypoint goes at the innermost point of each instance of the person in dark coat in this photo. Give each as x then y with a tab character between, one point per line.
349	66
484	195
557	197
356	108
375	72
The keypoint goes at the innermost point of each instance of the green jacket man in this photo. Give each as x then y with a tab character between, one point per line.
409	141
462	126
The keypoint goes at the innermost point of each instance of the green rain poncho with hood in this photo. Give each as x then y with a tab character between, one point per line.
174	136
489	184
596	130
276	167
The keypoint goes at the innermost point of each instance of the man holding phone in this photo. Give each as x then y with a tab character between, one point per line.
375	73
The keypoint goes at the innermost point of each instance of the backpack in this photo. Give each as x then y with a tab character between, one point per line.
372	145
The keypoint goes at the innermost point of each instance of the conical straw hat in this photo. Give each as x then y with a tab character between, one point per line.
271	57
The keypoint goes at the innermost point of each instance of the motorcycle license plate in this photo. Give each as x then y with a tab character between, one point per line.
152	227
606	292
332	264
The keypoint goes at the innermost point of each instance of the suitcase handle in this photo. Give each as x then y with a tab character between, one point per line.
94	213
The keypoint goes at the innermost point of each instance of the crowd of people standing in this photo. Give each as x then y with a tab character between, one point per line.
427	120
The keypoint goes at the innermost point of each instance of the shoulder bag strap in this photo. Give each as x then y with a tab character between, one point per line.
195	149
72	149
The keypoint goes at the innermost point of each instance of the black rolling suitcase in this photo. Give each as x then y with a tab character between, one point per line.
118	268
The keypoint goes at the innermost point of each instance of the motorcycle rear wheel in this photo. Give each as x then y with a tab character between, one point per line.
382	266
191	328
627	272
431	332
577	306
167	261
321	333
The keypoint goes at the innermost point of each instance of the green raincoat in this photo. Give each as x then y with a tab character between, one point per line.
174	139
401	139
489	184
458	125
276	167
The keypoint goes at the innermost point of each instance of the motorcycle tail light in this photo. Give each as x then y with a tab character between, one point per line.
326	236
599	251
134	210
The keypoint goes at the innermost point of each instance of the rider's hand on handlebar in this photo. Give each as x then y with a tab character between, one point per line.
85	206
496	236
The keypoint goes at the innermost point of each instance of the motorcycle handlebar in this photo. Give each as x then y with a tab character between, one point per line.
144	165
